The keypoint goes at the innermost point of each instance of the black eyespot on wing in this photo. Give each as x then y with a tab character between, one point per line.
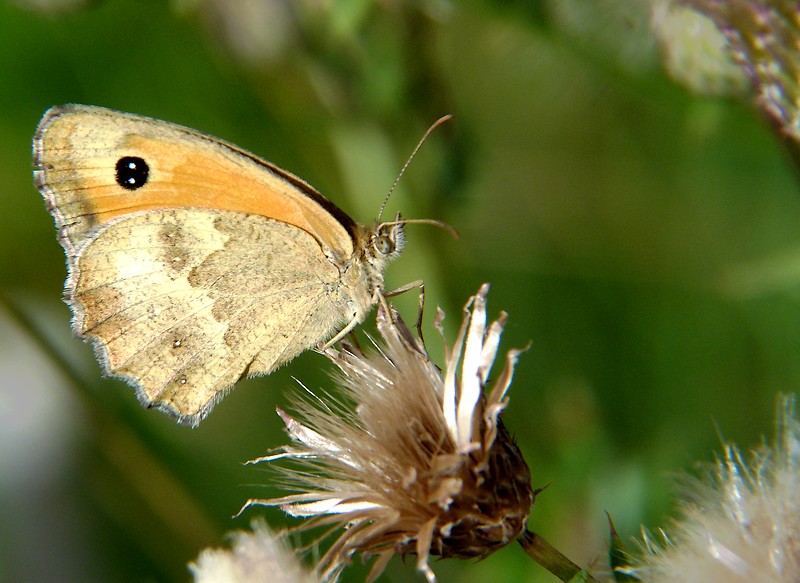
132	172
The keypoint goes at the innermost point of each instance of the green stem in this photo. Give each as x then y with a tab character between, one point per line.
551	559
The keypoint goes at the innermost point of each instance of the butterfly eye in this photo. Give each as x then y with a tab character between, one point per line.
132	172
383	244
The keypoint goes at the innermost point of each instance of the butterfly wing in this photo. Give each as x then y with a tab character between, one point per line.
181	302
77	155
191	261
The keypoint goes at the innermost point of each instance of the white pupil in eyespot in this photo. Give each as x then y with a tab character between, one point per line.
132	172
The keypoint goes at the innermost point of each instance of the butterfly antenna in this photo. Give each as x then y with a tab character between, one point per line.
434	125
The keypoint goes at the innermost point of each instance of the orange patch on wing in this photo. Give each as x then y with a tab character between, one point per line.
206	180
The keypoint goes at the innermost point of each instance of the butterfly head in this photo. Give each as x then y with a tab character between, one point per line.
388	239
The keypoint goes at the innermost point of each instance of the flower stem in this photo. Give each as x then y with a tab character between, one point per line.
548	557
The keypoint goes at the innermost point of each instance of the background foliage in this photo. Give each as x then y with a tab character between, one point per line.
642	238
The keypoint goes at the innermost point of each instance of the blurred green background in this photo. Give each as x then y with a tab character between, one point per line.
643	239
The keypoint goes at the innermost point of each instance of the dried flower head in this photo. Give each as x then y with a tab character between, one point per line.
418	462
764	36
741	524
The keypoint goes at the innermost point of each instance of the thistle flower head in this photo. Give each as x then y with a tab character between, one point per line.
742	523
413	460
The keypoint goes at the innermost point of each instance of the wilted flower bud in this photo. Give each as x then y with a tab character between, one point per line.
412	460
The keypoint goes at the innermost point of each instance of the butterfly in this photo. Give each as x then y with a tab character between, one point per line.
193	263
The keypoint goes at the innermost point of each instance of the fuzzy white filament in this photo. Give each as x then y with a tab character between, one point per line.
742	523
256	557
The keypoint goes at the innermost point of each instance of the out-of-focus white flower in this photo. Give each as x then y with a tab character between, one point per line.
742	523
694	51
764	38
256	557
52	6
412	460
257	32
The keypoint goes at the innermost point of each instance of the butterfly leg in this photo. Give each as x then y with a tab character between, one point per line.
342	333
407	287
382	298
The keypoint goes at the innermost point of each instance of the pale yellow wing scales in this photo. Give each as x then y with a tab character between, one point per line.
183	302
